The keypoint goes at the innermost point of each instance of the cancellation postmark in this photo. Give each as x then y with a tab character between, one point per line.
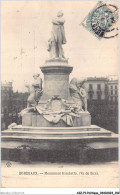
102	21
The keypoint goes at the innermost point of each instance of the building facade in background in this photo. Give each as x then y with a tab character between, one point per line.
113	90
97	88
103	102
101	88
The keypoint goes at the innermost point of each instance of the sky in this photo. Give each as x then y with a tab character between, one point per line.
25	30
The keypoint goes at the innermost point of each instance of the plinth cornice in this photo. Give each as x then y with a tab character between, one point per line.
56	69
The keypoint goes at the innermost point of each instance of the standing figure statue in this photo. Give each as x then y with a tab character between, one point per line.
57	37
78	94
35	91
37	84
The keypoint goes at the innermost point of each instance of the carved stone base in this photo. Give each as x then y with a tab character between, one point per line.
56	79
38	120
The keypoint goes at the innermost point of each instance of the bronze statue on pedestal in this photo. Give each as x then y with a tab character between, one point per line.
57	37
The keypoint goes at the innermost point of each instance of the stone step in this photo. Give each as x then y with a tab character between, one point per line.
22	138
56	133
63	129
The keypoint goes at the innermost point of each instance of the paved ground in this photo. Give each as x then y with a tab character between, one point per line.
44	174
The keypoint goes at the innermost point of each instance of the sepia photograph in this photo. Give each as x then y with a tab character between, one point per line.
59	94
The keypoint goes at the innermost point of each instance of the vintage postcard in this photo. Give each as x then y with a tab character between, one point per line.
59	94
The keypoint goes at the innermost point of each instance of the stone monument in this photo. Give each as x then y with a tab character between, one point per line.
60	104
56	117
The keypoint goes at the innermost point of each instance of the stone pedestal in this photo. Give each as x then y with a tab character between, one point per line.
38	120
56	99
56	79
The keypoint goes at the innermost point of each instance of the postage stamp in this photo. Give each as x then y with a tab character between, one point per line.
102	21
